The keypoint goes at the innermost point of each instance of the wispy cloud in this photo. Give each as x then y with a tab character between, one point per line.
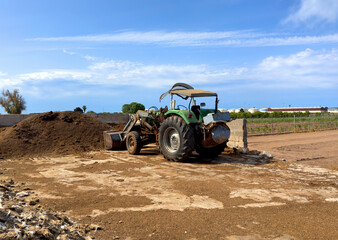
308	68
246	38
87	57
50	75
310	11
156	36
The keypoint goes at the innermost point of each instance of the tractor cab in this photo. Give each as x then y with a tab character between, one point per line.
193	112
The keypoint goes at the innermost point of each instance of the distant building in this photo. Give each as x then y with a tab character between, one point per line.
239	110
297	109
253	110
333	110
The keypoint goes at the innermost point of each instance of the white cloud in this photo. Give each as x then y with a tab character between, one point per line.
176	38
87	57
131	73
237	38
287	41
304	69
315	10
308	68
8	82
50	75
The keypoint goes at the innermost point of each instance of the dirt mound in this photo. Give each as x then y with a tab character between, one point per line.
52	133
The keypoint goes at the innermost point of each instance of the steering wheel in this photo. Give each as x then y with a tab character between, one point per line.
182	106
154	107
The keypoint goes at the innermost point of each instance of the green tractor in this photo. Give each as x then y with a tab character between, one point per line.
177	131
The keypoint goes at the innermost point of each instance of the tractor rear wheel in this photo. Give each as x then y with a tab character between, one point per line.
177	139
133	142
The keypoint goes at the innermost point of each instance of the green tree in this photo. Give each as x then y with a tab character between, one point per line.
132	107
84	108
78	109
91	111
12	102
126	108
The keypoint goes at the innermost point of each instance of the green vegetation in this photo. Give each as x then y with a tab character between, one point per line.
12	102
243	114
272	125
78	109
132	107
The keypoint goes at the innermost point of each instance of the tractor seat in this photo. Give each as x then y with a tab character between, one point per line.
196	110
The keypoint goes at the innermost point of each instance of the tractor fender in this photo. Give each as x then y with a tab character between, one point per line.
186	115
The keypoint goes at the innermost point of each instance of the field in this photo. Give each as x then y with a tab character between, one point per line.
261	126
234	197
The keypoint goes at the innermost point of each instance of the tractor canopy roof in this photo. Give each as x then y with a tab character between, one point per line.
185	91
193	93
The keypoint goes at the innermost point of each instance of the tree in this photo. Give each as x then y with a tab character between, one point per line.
12	102
84	108
132	107
78	109
126	108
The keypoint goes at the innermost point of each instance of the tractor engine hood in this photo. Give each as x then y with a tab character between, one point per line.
216	117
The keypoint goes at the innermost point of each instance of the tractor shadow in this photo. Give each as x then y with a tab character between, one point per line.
227	157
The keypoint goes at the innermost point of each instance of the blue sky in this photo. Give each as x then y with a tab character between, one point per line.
102	54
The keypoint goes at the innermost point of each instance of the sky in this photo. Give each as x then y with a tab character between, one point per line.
105	53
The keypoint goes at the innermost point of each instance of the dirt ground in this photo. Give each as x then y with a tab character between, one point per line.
235	197
313	148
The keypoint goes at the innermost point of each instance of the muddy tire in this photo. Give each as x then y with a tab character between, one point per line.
177	139
133	143
211	152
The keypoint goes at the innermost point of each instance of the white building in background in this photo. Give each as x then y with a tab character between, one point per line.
299	109
333	110
253	110
237	110
223	110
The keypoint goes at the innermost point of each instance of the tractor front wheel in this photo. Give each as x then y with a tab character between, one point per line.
177	139
133	142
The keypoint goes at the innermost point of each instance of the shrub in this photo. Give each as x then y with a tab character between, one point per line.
12	102
78	109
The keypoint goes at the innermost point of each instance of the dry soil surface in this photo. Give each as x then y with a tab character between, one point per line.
231	197
312	148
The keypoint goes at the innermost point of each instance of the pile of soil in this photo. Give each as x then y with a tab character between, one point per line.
52	134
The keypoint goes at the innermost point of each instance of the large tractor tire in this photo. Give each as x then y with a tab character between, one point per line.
177	139
133	143
211	152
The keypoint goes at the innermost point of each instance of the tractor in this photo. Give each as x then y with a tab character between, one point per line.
177	131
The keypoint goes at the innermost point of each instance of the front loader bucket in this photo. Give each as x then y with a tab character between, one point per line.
113	140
